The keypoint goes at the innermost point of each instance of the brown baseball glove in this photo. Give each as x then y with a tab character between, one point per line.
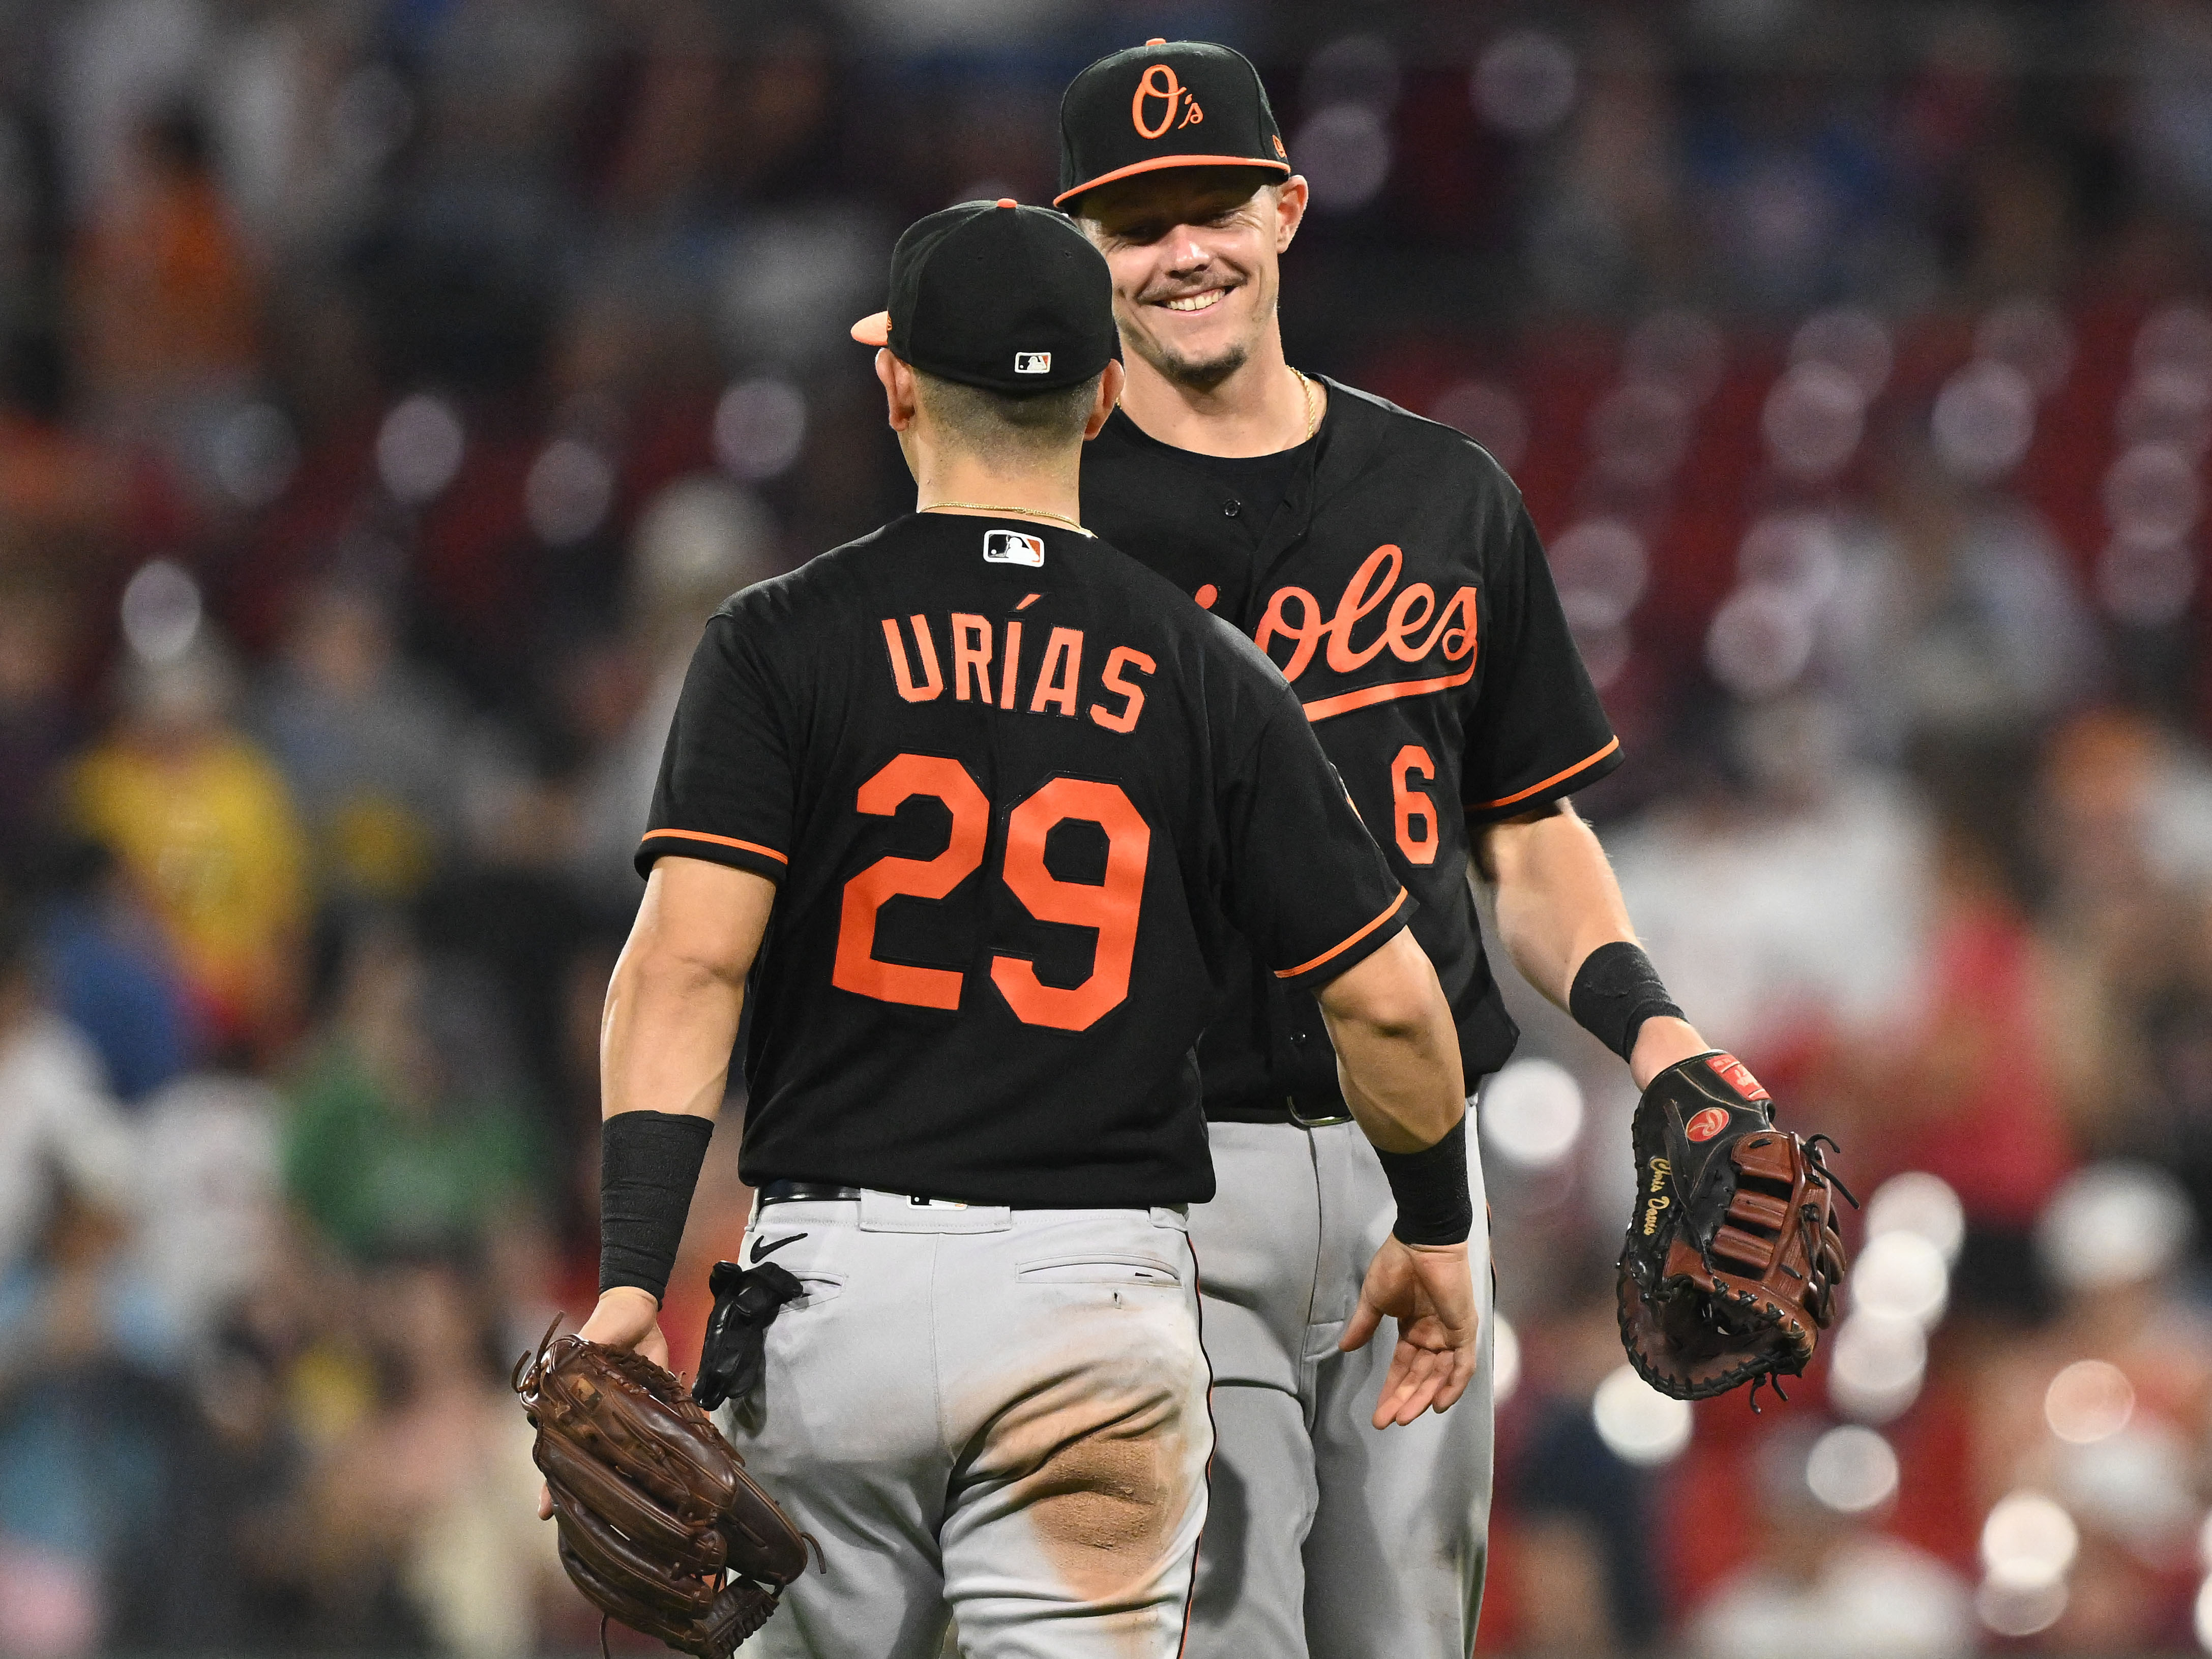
660	1526
1729	1272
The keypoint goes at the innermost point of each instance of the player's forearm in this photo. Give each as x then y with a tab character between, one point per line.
672	1006
1556	896
1397	1050
666	1037
1557	902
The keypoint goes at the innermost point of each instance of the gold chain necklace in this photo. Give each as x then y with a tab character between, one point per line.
1306	391
1015	512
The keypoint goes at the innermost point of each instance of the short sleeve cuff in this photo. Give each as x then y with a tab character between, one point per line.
1354	949
748	855
1584	773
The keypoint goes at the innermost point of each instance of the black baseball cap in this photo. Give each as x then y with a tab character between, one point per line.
998	296
1165	104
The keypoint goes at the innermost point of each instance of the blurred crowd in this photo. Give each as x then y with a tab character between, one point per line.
389	388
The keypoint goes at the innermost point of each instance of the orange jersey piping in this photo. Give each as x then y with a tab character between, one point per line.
1339	948
1508	800
719	840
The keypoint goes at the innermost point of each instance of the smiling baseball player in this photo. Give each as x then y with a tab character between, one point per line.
983	814
1389	568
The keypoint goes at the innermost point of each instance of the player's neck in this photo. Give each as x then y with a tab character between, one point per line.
1263	408
955	481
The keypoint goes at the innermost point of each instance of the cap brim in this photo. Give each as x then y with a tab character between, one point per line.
875	331
1160	161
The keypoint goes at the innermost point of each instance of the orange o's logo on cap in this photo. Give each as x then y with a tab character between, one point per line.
1159	82
1281	154
1706	1124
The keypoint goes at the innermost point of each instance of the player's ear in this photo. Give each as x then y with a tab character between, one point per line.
1110	393
898	388
1290	210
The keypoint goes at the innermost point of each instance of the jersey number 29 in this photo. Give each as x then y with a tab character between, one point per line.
1111	908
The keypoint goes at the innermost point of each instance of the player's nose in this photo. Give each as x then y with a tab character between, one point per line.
1187	257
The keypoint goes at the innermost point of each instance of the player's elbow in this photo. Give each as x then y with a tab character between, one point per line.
1391	996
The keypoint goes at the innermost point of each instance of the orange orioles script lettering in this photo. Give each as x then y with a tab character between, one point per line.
1054	678
1159	82
1412	627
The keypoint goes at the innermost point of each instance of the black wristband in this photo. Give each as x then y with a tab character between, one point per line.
1616	989
648	1166
1435	1205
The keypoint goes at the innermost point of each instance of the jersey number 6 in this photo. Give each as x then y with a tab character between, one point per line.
1111	908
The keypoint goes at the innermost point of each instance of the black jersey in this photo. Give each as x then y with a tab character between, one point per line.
1025	803
1402	590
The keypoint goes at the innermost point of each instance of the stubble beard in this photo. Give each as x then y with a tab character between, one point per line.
1201	375
1192	374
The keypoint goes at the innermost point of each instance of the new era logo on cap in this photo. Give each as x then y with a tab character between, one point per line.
1033	362
1012	547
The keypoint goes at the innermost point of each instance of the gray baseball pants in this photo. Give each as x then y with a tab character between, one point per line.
1327	1538
989	1414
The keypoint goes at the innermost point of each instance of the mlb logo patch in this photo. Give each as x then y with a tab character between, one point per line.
1033	362
1012	547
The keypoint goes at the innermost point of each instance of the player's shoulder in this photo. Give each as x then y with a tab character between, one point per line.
1387	436
825	582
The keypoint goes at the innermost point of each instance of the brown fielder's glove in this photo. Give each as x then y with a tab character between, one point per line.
660	1526
1732	1262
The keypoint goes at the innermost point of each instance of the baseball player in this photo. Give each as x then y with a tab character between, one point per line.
1387	566
982	813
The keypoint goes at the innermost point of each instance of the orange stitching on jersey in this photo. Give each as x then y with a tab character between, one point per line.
1338	949
1508	800
719	840
1322	707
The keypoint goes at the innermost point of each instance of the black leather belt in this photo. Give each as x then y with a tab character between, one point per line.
806	1192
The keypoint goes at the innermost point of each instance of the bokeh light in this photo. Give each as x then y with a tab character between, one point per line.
1813	421
1983	421
1345	152
570	488
1876	1366
162	612
419	447
1506	1359
1531	1113
1899	1275
1760	641
2028	1541
1525	82
1918	1202
2010	1610
1850	338
760	427
2087	1401
1851	1469
1599	567
1639	1425
2113	1223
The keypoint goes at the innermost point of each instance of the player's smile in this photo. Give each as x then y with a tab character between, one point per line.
1206	299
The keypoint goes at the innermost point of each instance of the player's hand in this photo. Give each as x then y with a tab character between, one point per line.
626	1317
1429	1290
